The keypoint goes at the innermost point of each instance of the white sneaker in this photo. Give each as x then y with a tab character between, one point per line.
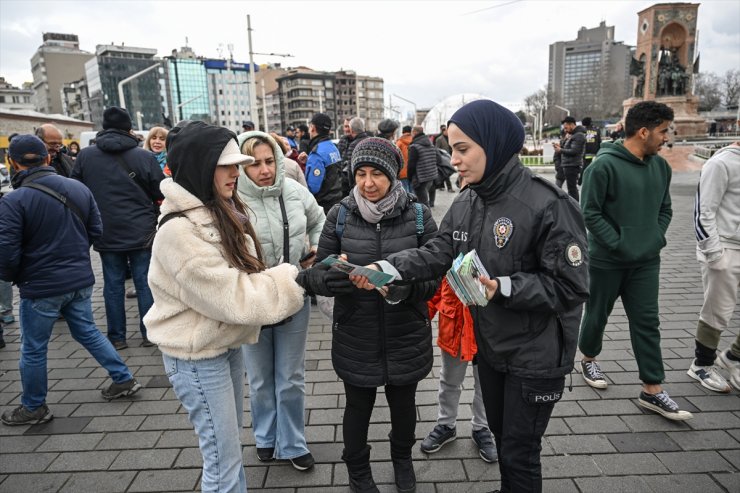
730	365
709	378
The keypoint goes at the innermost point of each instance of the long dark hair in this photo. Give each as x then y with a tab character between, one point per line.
233	229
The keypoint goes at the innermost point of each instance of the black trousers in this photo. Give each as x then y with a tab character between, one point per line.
518	410
586	162
425	193
571	178
360	403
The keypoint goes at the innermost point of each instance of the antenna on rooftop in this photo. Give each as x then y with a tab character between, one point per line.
186	40
220	50
230	47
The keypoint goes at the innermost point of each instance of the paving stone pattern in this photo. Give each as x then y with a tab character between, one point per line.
597	441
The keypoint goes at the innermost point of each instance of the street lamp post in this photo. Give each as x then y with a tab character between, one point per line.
183	104
121	99
410	102
567	111
253	76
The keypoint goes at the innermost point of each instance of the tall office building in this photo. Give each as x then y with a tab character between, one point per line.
359	95
143	95
228	87
57	61
188	96
303	93
590	75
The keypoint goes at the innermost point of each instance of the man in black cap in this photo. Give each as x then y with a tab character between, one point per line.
124	179
571	154
46	227
248	126
323	163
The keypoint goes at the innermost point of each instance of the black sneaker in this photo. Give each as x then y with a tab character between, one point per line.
486	448
124	389
592	374
662	404
22	416
147	343
304	462
119	345
266	454
440	435
2	341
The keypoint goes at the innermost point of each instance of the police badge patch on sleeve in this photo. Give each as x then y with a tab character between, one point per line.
317	172
503	228
574	255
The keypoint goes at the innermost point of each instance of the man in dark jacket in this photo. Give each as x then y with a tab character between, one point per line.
627	209
46	227
422	165
531	239
593	142
323	163
125	182
52	138
571	154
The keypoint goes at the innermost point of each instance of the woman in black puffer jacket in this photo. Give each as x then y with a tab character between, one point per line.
379	338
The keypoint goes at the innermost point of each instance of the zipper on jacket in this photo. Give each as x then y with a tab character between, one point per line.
381	325
477	247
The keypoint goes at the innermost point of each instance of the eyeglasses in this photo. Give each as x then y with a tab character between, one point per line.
54	145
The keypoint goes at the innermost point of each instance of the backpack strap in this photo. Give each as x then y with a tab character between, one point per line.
29	183
341	218
167	217
419	220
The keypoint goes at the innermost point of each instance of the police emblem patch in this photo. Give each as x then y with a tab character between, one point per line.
573	254
502	231
317	172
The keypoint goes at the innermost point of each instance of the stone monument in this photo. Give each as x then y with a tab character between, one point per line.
663	66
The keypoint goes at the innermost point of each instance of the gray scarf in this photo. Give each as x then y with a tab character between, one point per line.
373	212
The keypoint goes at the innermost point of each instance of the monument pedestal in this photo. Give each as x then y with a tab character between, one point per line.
687	122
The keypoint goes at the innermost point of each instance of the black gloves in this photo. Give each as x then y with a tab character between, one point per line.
322	280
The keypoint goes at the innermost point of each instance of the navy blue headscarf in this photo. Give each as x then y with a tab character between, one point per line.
497	130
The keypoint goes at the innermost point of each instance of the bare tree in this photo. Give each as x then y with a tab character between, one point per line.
707	88
730	86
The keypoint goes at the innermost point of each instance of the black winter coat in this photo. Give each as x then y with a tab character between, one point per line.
129	211
422	166
373	342
572	150
533	332
45	246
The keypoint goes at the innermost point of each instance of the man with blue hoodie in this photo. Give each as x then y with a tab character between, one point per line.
626	205
46	227
124	180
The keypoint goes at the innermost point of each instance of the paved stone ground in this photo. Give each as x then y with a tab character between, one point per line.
596	441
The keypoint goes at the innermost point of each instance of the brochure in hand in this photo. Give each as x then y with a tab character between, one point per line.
463	277
377	278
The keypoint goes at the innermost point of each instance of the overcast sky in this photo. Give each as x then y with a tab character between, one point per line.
425	50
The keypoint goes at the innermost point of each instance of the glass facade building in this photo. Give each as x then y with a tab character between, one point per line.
189	90
228	86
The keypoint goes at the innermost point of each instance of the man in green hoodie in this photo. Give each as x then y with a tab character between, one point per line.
626	205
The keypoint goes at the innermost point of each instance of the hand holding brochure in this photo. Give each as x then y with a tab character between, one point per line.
377	278
463	277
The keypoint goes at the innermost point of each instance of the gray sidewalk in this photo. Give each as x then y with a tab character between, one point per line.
596	442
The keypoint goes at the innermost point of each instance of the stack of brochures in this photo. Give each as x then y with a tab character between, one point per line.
463	277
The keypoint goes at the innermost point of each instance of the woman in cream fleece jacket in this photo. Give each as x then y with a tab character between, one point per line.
212	293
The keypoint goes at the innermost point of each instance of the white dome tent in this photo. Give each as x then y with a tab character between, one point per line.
442	111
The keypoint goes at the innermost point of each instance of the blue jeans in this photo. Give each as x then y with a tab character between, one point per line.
37	320
212	391
276	368
114	290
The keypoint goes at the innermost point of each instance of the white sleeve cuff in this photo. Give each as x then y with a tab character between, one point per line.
386	267
504	286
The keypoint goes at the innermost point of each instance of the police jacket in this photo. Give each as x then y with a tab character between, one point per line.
45	246
422	165
323	173
571	153
531	236
593	142
373	342
127	205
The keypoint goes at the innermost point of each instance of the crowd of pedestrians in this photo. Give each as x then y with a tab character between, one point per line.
227	238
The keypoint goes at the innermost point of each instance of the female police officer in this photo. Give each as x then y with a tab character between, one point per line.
531	238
